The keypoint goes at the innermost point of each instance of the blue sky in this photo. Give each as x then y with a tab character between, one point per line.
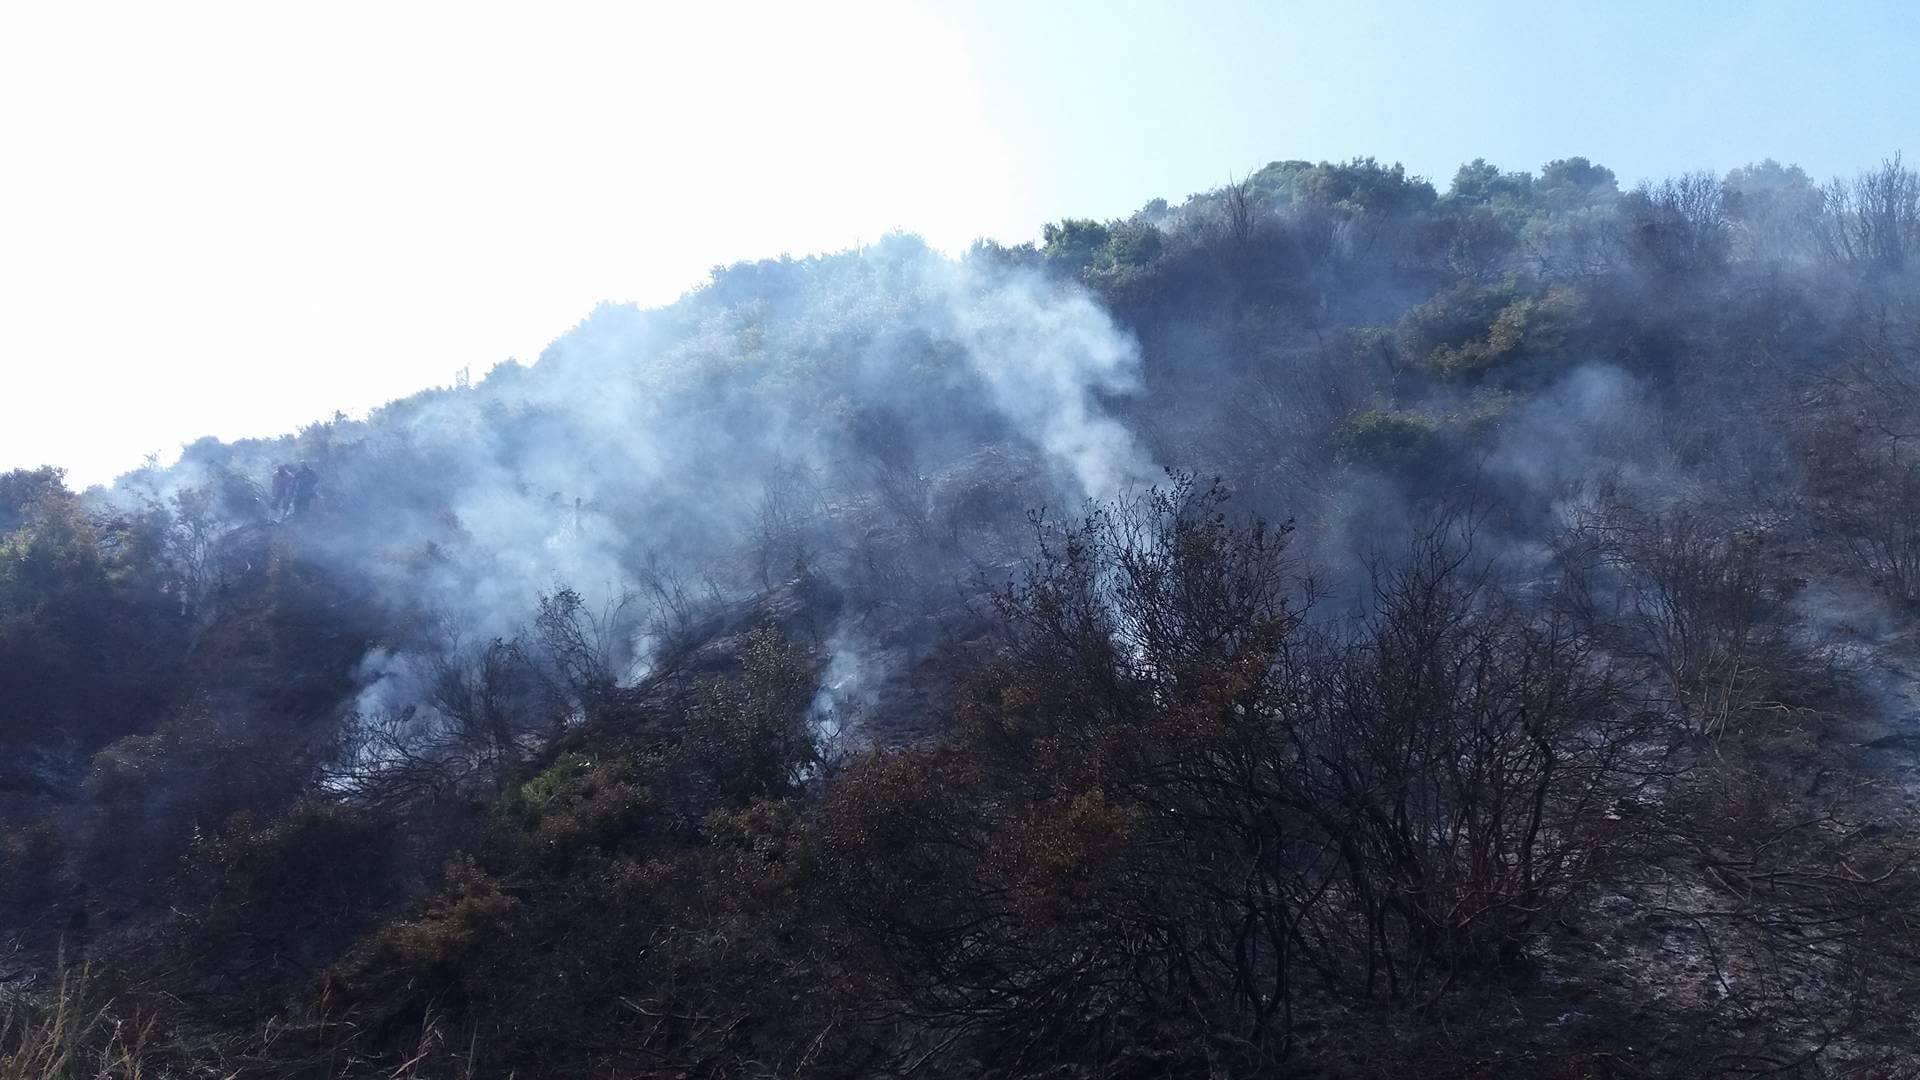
1108	103
233	218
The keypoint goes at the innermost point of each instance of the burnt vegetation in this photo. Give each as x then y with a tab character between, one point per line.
1328	627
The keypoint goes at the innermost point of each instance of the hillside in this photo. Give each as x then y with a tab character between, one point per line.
1319	626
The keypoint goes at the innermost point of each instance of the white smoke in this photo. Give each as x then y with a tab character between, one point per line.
644	442
1049	353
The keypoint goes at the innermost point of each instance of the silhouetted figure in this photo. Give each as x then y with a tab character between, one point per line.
283	481
306	484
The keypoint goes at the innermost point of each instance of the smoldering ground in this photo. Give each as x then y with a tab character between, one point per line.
808	416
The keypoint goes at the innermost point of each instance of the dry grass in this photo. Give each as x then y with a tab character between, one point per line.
71	1035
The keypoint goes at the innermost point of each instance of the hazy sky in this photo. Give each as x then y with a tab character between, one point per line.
235	219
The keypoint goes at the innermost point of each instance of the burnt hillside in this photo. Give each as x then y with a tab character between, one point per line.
1322	625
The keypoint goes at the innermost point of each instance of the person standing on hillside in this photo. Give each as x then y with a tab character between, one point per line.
306	485
283	483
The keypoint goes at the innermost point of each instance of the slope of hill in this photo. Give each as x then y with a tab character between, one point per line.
1321	626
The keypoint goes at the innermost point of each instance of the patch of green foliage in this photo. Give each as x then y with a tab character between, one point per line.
750	735
1385	438
1471	331
524	803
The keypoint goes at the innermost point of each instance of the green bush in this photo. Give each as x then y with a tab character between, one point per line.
1470	330
1388	438
524	803
1072	244
750	736
467	913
